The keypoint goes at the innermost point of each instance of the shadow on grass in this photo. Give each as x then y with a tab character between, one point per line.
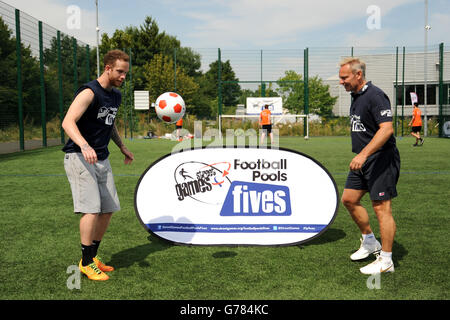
128	257
331	235
224	254
398	253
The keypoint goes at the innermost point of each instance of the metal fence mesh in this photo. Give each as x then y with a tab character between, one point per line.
33	94
39	87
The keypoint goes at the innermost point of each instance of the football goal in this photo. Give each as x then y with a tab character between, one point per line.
287	124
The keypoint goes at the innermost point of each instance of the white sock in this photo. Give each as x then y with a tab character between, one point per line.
386	255
368	238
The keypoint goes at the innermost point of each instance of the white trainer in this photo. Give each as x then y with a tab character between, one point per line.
380	265
366	249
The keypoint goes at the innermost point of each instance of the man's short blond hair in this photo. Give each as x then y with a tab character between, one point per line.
356	64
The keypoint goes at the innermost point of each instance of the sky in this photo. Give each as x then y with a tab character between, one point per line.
255	24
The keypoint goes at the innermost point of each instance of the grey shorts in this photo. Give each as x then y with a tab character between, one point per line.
92	185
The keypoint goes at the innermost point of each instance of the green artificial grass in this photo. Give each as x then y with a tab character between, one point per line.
40	239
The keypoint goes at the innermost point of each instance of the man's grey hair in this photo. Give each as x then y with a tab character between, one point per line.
355	64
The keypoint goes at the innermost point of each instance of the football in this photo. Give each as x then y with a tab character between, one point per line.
170	107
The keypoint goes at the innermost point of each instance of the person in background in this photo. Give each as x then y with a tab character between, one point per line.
179	125
416	125
266	124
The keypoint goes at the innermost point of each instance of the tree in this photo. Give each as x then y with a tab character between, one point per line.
230	91
189	60
291	89
320	100
8	85
159	76
146	41
67	69
153	57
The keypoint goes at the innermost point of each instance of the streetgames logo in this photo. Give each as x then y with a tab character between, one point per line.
386	113
356	123
108	114
202	182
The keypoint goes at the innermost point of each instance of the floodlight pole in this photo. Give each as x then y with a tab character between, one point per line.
427	27
98	33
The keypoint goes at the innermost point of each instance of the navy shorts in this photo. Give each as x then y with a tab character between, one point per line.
379	175
267	127
416	129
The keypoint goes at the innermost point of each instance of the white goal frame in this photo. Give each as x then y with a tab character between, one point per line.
275	119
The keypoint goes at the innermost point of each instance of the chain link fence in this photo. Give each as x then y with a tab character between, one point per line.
44	67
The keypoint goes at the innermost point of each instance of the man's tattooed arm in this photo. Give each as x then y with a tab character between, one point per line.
116	137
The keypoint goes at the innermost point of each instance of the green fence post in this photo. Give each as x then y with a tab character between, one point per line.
124	103
403	89
441	88
75	65
395	91
42	81
60	85
263	90
219	79
130	92
306	89
19	81
88	66
175	69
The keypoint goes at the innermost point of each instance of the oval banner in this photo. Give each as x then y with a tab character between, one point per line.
236	196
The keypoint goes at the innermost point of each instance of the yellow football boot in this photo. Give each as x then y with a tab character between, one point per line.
93	272
103	267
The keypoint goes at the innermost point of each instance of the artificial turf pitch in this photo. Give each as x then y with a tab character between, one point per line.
40	241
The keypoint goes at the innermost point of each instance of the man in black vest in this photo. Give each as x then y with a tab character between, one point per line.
374	169
90	125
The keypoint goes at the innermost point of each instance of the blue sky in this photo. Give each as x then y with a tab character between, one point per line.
257	24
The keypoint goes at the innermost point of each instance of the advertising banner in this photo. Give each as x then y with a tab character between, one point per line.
446	129
141	100
256	105
413	97
236	196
